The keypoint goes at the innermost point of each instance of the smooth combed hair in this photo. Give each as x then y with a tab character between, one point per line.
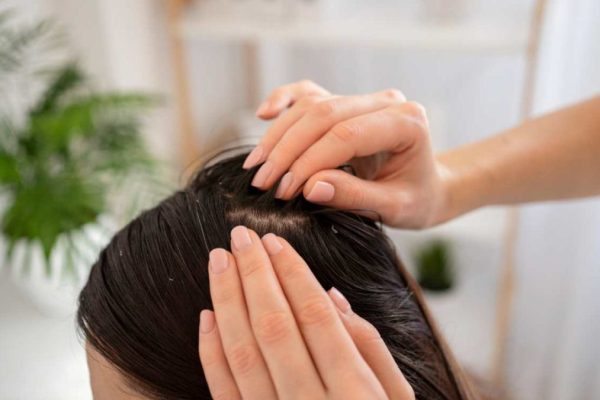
140	307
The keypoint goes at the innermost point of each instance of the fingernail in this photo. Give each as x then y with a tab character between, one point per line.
340	301
321	192
272	244
263	174
240	237
262	108
218	260
207	321
285	183
254	157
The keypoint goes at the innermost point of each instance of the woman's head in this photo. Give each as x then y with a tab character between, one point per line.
139	309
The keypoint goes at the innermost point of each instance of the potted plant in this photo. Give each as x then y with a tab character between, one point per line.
434	268
64	148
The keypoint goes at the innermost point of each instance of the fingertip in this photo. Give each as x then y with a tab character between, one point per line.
273	106
207	321
340	301
218	260
268	114
254	158
320	192
240	237
263	109
272	244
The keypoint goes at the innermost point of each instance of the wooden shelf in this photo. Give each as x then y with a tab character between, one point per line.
491	37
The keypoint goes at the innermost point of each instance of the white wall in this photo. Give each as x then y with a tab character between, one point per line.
552	348
124	46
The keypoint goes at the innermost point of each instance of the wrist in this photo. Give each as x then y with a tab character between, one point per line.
461	188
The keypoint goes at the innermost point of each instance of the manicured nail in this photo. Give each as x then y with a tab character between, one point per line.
272	244
218	260
340	301
264	107
321	192
263	174
240	237
254	157
285	183
207	321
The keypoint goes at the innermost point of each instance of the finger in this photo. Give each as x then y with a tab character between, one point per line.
274	133
216	370
316	122
373	349
273	323
341	190
286	95
395	129
332	349
239	345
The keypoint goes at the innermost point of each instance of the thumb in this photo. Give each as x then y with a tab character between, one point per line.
340	189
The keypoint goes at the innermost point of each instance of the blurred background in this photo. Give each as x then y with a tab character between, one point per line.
514	290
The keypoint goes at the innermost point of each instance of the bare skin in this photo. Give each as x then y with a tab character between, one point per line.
553	157
105	379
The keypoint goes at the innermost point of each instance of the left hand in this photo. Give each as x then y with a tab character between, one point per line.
276	334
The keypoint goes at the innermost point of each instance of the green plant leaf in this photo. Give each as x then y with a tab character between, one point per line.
50	208
64	80
62	157
58	125
9	172
434	269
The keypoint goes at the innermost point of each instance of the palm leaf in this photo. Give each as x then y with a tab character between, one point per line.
63	81
63	152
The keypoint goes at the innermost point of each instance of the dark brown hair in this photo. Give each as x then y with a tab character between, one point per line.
139	308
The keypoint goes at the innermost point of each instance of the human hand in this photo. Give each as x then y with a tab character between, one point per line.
276	334
385	137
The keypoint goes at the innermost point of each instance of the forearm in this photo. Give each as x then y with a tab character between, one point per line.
556	156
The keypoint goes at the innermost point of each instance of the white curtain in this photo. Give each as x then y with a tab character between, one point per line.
553	347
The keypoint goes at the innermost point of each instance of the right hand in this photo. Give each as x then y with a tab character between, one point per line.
382	135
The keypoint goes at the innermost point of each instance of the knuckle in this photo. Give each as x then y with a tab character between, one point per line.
307	102
407	202
402	205
365	392
413	108
250	266
353	194
307	83
224	295
278	92
302	165
346	132
242	358
411	119
316	311
367	333
394	94
356	196
312	87
324	109
226	395
273	327
208	357
292	271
